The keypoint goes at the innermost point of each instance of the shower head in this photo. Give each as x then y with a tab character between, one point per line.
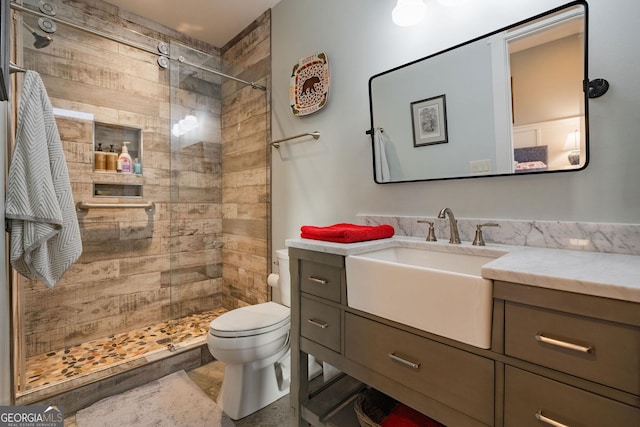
41	41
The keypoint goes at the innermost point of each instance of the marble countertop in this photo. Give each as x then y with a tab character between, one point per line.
592	273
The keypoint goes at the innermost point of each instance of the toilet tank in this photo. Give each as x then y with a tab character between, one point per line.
284	281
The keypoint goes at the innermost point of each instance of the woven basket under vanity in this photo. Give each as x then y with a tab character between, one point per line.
372	407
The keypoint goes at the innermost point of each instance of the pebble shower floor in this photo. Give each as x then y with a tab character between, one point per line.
57	366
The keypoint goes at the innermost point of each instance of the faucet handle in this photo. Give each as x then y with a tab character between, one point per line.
431	235
479	240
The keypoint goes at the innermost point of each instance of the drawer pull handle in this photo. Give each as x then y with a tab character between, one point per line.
318	323
405	362
564	344
317	280
548	420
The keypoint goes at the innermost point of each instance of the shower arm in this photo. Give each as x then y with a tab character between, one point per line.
31	30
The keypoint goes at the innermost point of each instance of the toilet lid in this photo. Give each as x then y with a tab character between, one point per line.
251	320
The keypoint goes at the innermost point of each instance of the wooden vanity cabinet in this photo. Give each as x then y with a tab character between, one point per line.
571	359
452	385
454	378
530	376
604	352
531	399
317	291
321	323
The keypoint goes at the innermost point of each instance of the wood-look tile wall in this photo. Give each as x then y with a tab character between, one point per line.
137	268
246	169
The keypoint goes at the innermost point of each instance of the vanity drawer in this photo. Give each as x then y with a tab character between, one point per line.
453	377
527	394
320	280
599	351
320	323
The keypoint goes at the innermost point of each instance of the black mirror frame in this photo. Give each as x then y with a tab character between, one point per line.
591	89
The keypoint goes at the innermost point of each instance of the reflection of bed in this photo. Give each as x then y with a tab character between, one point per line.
530	159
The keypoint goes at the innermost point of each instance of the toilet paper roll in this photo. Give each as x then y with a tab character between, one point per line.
272	280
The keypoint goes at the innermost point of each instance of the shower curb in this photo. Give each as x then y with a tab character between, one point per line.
80	397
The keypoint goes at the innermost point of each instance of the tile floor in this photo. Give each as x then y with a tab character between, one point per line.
209	378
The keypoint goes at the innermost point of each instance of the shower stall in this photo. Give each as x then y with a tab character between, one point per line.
163	245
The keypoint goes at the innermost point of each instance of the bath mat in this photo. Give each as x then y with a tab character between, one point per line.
172	401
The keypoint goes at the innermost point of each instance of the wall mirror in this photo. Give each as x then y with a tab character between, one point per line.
508	103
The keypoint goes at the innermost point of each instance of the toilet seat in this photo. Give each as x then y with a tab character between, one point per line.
249	321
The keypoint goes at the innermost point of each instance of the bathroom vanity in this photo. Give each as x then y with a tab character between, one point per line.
562	352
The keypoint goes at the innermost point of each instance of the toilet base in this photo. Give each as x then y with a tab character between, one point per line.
249	387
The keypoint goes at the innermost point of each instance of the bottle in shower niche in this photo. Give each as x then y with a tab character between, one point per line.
112	160
99	159
124	160
137	167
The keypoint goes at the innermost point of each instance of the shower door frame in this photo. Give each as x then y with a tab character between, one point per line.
178	110
6	321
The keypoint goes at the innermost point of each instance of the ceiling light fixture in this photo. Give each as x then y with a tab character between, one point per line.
450	3
408	12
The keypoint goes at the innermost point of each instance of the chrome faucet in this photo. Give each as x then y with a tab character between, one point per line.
453	224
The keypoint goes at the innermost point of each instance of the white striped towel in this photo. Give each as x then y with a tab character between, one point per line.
45	235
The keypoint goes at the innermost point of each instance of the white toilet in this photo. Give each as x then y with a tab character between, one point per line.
253	342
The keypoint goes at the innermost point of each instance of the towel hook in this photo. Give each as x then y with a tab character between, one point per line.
370	131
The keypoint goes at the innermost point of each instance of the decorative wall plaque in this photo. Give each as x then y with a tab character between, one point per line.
309	86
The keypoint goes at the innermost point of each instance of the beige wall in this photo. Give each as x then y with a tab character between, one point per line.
137	268
544	81
246	168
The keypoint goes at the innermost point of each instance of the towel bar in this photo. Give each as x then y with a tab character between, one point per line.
13	68
315	134
85	206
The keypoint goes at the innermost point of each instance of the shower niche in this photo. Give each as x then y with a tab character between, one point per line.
106	189
109	180
108	140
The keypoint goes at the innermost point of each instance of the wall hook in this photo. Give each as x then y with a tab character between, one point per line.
597	88
370	131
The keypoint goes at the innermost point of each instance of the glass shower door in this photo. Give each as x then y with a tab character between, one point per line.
196	194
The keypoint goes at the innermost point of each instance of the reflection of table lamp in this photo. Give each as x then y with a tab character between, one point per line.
572	145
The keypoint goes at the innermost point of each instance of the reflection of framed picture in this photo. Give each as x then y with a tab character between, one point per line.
429	118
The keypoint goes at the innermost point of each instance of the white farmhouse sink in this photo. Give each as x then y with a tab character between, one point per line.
438	292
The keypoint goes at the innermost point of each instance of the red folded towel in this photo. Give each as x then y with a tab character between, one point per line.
347	233
404	416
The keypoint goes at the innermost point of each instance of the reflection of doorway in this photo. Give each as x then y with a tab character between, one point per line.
546	80
538	73
547	69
